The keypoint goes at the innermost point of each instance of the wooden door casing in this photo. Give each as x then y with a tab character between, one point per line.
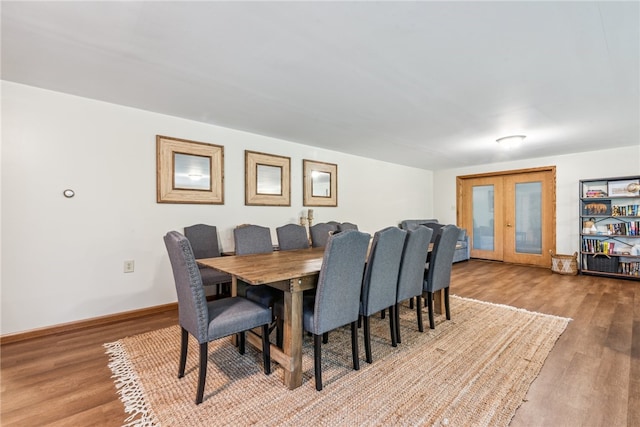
504	184
498	216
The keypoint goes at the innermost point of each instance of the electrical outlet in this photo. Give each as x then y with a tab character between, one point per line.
129	266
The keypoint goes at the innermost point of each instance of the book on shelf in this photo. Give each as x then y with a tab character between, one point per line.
628	210
631	268
631	228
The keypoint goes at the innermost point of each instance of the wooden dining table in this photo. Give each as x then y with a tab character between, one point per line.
292	272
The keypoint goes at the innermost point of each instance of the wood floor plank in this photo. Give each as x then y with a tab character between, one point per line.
591	377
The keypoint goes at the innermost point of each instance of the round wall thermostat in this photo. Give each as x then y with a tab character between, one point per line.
68	193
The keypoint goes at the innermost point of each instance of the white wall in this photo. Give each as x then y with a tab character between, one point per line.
62	259
569	170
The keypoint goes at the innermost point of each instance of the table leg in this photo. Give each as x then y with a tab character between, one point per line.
292	338
438	302
234	292
234	286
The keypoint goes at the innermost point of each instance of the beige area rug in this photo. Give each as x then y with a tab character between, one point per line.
473	370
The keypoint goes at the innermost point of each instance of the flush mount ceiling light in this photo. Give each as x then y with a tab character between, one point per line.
511	141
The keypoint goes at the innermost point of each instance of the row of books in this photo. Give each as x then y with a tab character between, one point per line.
631	228
598	246
629	268
628	210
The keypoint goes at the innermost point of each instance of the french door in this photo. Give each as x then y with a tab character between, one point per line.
510	216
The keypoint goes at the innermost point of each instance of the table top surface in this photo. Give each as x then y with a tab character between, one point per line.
271	267
259	269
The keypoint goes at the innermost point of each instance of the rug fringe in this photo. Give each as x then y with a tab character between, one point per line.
510	307
128	386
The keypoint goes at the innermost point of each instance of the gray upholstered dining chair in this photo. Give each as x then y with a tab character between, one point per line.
320	233
292	236
209	321
347	226
380	281
411	276
204	243
337	294
438	275
254	239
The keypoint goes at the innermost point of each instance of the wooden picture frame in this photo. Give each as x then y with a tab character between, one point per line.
189	171
320	183
626	188
267	179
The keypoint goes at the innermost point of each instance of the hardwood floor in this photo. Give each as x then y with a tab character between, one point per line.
591	377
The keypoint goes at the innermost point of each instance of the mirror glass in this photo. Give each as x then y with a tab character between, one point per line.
191	172
268	179
320	184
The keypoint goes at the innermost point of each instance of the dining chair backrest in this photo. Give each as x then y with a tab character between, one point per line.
347	226
436	227
252	239
255	239
320	233
292	236
193	314
441	260
339	283
381	274
204	240
204	243
414	257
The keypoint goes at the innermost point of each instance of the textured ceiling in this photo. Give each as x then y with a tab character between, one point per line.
424	84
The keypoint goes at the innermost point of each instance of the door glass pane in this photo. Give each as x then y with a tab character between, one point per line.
529	218
483	217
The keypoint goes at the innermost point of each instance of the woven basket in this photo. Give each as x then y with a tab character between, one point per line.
564	264
602	262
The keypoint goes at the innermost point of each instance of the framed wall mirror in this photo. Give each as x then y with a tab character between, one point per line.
189	171
267	179
320	186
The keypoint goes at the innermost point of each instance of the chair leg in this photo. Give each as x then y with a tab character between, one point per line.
411	303
382	313
392	325
202	376
354	346
317	365
429	302
325	338
446	303
241	342
397	310
266	349
367	338
184	343
419	313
